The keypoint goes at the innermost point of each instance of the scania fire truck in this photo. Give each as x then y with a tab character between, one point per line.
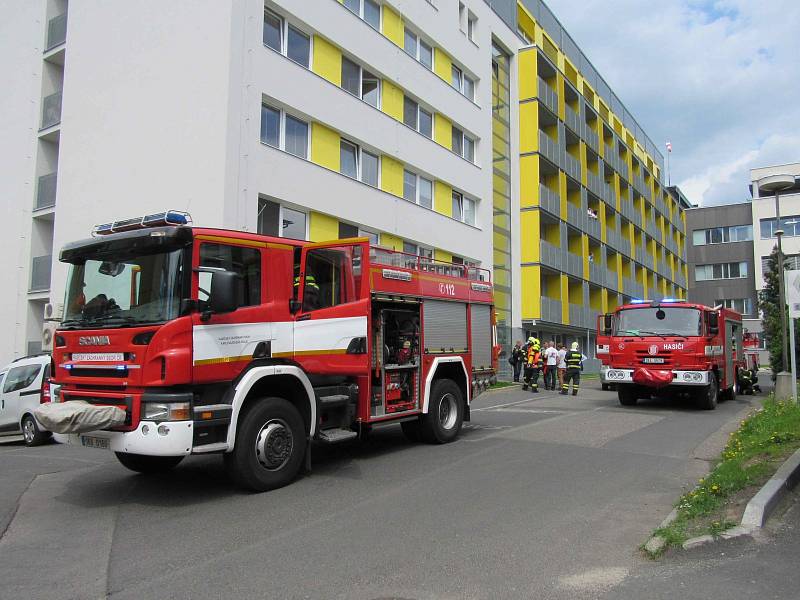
218	341
671	347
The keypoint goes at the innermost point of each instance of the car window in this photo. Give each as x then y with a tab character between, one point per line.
20	378
245	262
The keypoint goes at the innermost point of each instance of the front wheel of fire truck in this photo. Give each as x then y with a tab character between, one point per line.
627	395
270	445
147	464
445	413
708	395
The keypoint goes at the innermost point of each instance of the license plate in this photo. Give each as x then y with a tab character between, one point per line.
98	357
653	361
94	442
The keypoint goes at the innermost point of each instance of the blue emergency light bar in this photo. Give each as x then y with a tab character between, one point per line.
169	217
639	301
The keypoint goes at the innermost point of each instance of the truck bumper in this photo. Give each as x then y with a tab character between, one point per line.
679	378
168	438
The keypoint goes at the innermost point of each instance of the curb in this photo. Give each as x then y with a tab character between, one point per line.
761	506
656	543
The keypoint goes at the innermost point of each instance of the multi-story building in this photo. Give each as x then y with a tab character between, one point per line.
765	224
474	131
721	261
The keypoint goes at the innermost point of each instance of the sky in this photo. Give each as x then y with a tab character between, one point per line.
719	79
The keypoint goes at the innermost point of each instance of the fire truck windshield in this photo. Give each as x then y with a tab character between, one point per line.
126	291
660	321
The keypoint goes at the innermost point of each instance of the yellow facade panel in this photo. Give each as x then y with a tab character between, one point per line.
531	295
391	241
528	127
442	65
391	176
529	236
327	60
443	199
392	100
392	25
529	181
443	131
325	150
442	255
527	74
322	227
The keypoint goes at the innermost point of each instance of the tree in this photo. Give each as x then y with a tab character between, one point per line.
770	305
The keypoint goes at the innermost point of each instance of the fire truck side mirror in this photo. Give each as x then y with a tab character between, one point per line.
713	323
222	296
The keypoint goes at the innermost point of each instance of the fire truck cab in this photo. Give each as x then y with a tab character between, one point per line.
671	347
217	341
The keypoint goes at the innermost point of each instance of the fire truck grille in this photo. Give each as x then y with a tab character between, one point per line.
660	359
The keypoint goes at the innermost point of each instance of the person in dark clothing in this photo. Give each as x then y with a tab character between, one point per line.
574	360
533	365
516	359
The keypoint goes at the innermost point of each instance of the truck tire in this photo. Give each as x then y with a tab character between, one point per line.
147	464
708	395
730	393
270	445
445	414
627	395
31	433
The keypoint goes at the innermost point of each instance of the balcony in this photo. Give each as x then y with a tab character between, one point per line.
56	31
652	230
548	96
51	110
574	264
549	148
572	166
551	310
612	281
622	168
661	206
46	192
577	216
551	256
597	274
593	183
40	273
593	227
607	194
578	316
573	120
591	138
549	200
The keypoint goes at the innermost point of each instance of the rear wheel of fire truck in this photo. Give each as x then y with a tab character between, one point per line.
627	395
707	396
270	444
147	464
445	413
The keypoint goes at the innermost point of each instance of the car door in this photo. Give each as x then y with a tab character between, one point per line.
30	390
17	380
5	419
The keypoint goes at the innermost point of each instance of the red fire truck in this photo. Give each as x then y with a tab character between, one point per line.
217	341
671	347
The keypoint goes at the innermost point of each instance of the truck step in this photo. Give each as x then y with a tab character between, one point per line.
333	400
336	435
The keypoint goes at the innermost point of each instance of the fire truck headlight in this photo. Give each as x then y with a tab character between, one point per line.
166	411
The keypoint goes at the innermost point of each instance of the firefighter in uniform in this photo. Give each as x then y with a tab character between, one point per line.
574	360
311	294
533	365
746	383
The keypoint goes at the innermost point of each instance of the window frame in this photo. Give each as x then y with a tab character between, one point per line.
472	27
417	188
204	269
464	140
356	157
284	38
359	157
363	76
362	13
283	115
418	43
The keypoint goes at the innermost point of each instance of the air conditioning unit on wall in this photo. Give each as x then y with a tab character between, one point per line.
53	312
48	333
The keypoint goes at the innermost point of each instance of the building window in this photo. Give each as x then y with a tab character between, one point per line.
348	159
369	168
417	189
417	118
737	270
741	305
369	10
298	47
463	209
456	77
418	49
296	137
360	82
472	26
347	230
463	145
298	44
789	224
280	221
273	31
245	262
722	235
469	88
295	132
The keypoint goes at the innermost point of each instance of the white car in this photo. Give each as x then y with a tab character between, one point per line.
24	384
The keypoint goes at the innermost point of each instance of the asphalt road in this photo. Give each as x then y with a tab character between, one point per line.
543	496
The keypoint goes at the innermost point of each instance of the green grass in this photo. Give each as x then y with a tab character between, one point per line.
753	453
502	384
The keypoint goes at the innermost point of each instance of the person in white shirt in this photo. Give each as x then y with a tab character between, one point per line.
551	366
562	364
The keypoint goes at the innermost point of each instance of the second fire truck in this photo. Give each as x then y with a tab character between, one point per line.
671	347
217	341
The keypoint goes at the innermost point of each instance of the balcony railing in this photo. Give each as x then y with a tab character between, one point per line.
652	229
577	216
549	200
572	120
574	264
572	166
56	31
46	192
551	256
40	273
51	110
597	274
591	138
549	148
611	280
593	183
578	315
551	310
607	194
622	168
593	227
548	96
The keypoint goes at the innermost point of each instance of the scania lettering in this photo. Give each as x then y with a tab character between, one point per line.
253	347
671	347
